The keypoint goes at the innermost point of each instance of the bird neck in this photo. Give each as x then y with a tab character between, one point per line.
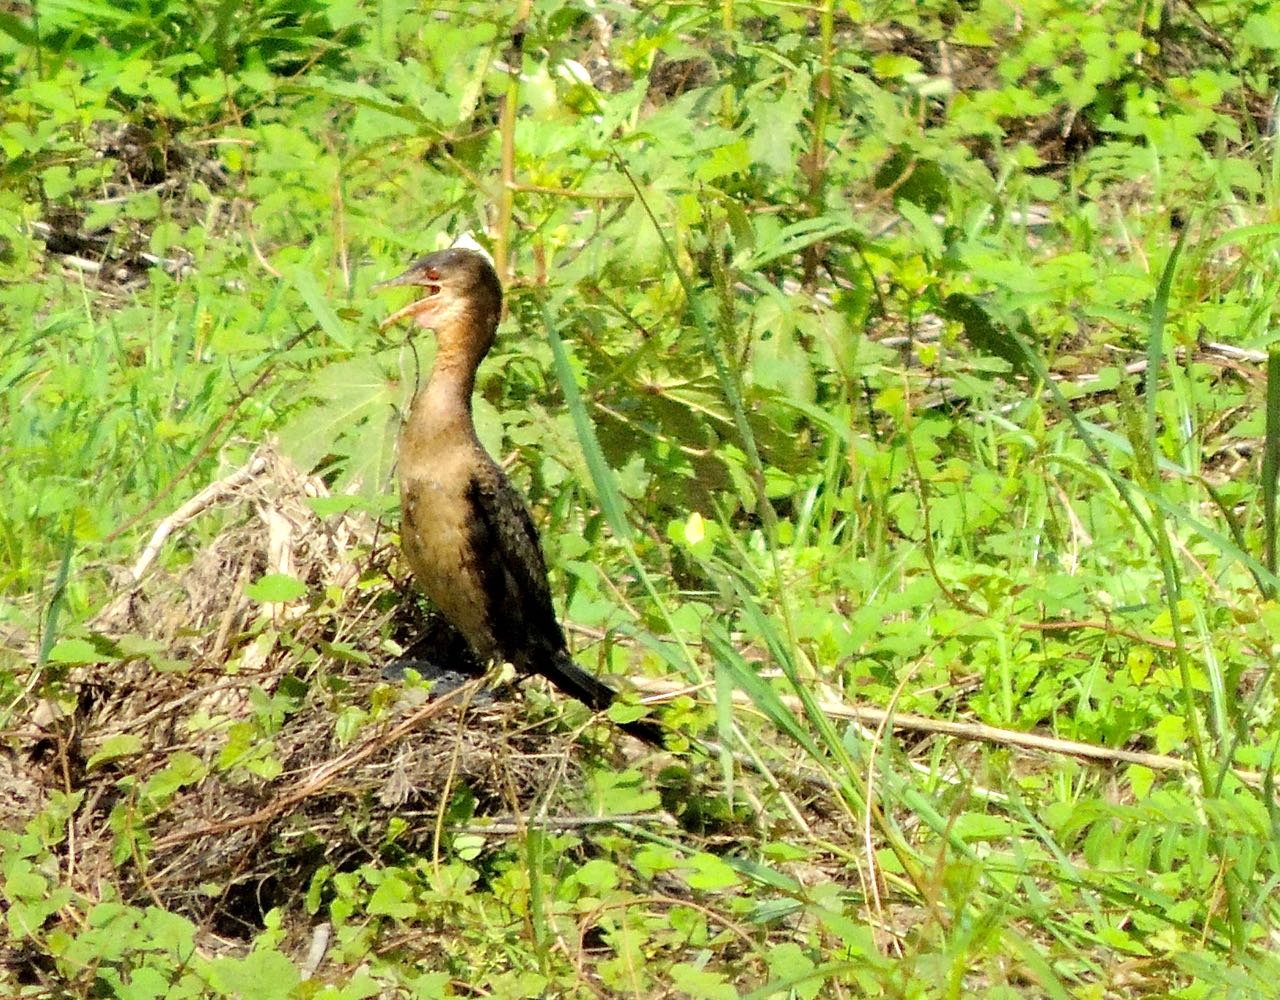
446	398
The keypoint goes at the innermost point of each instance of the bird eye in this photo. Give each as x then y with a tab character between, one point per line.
433	274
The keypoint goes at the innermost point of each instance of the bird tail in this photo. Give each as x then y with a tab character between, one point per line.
596	695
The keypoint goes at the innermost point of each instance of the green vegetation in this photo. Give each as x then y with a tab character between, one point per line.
899	356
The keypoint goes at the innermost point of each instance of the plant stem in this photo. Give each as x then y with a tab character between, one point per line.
1271	461
815	161
510	104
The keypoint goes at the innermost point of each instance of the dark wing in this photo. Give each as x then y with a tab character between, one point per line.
513	576
512	571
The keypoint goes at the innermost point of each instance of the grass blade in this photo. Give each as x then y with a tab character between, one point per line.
1271	464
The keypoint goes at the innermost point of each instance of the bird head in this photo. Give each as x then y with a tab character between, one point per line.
460	289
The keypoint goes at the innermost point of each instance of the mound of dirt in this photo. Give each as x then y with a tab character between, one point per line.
225	747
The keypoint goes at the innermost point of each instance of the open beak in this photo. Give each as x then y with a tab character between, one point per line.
421	309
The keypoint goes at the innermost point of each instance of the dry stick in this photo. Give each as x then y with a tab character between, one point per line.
212	436
872	883
1049	625
339	214
322	775
659	899
320	936
519	825
170	707
446	793
1071	624
206	498
573	193
257	252
870	716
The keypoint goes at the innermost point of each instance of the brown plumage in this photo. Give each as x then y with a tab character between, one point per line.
465	530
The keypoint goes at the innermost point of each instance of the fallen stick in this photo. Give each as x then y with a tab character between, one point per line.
192	508
872	716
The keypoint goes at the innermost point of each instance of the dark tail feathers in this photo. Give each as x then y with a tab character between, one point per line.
595	694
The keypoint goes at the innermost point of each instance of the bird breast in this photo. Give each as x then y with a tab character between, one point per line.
436	534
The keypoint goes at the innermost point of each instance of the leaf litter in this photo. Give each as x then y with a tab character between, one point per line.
221	750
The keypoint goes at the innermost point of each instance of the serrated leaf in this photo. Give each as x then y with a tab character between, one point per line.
779	362
468	845
731	158
145	983
357	417
168	932
891	65
699	984
794	238
263	975
328	506
789	964
925	228
978	826
371	451
489	427
985	334
136	645
775	135
1141	780
1261	31
184	769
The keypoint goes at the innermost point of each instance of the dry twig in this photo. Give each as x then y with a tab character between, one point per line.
869	715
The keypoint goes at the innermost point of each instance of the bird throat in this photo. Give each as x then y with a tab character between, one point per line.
446	398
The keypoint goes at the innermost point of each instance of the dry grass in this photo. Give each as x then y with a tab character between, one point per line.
302	790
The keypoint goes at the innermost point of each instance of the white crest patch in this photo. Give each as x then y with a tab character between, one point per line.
468	242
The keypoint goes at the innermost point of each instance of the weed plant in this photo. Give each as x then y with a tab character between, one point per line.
909	357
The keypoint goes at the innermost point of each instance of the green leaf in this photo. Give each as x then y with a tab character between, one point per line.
792	239
711	873
1262	31
356	422
308	289
468	846
979	826
183	769
698	984
986	335
788	962
276	588
488	421
731	158
169	932
113	748
145	983
925	228
598	876
429	985
1141	780
891	65
262	975
393	898
775	134
76	651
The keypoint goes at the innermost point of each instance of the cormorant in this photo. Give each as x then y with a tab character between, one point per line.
465	531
